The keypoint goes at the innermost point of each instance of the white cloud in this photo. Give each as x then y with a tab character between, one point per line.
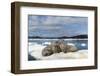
47	20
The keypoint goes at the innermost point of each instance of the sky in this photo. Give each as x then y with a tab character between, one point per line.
56	26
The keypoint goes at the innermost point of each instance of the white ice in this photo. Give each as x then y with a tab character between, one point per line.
35	50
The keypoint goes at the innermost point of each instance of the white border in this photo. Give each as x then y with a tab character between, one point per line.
25	64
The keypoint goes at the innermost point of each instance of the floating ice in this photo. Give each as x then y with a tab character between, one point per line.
71	44
83	44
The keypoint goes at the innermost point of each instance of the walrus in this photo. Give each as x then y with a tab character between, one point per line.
57	47
47	51
71	48
51	49
63	47
67	48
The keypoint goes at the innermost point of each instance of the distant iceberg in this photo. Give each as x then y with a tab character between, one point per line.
46	43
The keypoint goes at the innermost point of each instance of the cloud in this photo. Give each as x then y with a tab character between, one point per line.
46	20
57	25
42	27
